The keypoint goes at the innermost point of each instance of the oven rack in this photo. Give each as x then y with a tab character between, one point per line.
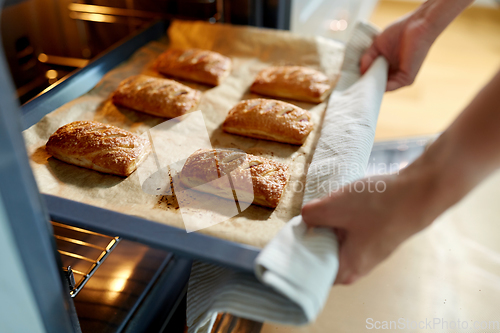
79	239
193	245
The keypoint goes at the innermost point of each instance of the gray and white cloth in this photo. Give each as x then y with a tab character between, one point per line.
295	271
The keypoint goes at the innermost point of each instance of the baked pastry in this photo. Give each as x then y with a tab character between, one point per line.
253	178
269	119
156	96
98	146
194	64
295	82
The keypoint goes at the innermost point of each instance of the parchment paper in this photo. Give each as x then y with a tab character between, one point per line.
251	50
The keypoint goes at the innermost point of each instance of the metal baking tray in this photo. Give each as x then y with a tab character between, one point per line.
190	245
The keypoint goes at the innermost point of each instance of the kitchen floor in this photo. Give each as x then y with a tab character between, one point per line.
450	271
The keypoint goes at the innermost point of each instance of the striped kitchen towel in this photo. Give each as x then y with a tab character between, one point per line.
295	271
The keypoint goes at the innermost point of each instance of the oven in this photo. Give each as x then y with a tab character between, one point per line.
46	40
72	267
83	269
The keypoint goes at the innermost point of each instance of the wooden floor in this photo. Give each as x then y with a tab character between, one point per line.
461	61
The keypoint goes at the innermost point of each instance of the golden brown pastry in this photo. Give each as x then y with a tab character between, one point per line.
100	147
268	178
194	64
156	96
295	82
269	119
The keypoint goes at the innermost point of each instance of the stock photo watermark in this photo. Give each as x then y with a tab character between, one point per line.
431	324
341	184
184	164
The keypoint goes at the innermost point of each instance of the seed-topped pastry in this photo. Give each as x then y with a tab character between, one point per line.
253	178
98	146
269	119
294	82
156	96
194	64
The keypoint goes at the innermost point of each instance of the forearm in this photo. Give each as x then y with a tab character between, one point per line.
475	134
436	15
466	153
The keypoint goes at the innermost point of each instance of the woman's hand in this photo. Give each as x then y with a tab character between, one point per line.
405	45
374	215
371	218
406	42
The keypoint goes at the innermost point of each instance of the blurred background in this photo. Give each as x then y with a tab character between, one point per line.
461	61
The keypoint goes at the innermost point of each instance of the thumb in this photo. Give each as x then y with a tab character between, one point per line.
348	270
392	85
398	80
318	213
368	58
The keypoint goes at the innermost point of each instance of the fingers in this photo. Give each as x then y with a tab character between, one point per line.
358	256
393	85
346	278
341	235
347	273
356	259
398	80
319	213
313	212
368	58
344	275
